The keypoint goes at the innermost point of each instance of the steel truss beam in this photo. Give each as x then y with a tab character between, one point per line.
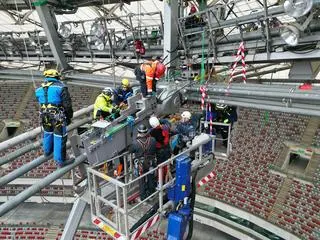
24	18
109	13
24	5
250	58
253	45
52	36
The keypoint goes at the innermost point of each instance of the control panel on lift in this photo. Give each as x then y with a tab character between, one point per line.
105	140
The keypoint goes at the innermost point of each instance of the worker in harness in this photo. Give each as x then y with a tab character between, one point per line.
184	132
103	106
161	133
227	115
144	148
56	113
148	74
123	93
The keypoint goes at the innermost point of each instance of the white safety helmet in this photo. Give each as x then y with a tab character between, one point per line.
186	116
154	122
108	91
221	106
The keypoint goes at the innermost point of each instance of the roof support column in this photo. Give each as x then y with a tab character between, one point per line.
170	36
79	206
47	22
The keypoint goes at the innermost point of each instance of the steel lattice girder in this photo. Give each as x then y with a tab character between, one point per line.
24	5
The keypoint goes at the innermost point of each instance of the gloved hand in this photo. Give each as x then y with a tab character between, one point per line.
154	94
123	106
114	110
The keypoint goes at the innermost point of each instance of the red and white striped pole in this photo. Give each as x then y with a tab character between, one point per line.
240	55
203	91
243	62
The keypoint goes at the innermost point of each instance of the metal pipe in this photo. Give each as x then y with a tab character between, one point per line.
261	106
248	70
264	87
267	26
160	179
279	10
277	102
24	195
256	74
26	168
11	156
246	87
102	82
35	132
294	95
125	208
285	80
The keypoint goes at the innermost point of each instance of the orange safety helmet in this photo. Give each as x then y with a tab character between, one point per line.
160	70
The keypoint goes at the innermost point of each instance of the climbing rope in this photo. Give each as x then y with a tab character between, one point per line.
202	74
25	44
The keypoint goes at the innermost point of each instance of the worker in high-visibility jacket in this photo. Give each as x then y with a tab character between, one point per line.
56	113
148	74
103	106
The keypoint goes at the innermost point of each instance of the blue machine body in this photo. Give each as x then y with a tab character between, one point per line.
182	186
178	220
177	224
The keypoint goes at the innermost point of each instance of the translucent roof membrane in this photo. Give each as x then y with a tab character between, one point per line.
140	18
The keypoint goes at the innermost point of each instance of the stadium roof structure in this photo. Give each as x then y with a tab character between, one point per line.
20	20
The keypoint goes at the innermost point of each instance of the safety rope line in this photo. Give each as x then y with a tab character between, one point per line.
202	73
240	55
203	88
25	44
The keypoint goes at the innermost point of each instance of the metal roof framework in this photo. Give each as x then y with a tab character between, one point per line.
18	17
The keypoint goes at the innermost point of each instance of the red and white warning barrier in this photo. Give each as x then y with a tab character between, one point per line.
206	179
145	227
240	55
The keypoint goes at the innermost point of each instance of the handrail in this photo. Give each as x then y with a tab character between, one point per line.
33	133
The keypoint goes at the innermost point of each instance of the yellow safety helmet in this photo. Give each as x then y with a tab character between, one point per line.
51	73
125	82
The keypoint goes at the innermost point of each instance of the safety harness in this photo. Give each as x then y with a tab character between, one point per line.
139	162
50	112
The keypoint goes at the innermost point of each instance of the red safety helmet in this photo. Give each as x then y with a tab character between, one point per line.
306	86
160	69
193	9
